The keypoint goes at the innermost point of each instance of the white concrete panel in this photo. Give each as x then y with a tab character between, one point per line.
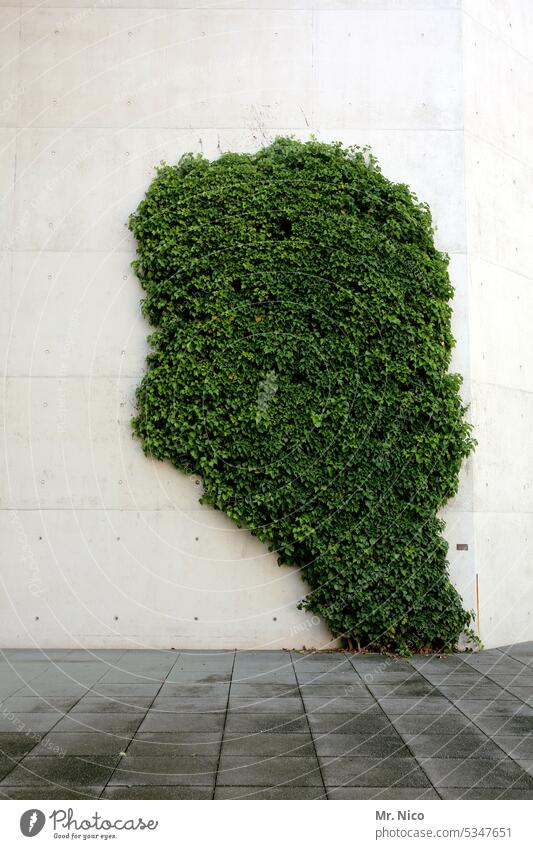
504	547
7	179
91	180
501	324
75	314
77	187
503	465
418	86
85	8
10	90
460	531
166	68
70	445
492	66
500	207
508	21
5	294
153	591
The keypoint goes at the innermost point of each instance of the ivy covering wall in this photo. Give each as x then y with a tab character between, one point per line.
300	365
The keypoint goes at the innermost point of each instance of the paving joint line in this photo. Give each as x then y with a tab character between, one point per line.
125	750
326	794
224	724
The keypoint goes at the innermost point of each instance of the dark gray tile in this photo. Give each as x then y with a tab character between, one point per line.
524	693
16	745
217	692
61	772
120	724
53	692
379	663
28	723
451	723
8	763
360	745
425	706
287	705
341	705
100	704
166	770
505	725
461	678
264	691
493	707
403	689
142	676
182	722
157	791
382	793
176	745
268	744
525	763
462	745
87	744
474	691
346	723
191	677
485	793
455	772
516	746
372	772
253	723
49	791
31	704
390	676
273	793
124	691
346	676
214	704
268	772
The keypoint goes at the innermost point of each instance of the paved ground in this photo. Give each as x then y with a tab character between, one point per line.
271	725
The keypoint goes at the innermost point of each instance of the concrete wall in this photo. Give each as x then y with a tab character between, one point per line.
498	63
103	547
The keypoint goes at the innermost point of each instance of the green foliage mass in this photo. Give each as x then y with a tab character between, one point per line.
300	366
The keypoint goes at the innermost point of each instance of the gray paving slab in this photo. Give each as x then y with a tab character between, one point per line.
182	722
255	771
350	723
157	791
258	723
104	704
15	745
171	745
121	724
184	770
458	772
62	772
368	772
402	792
28	723
84	743
50	791
267	725
268	744
286	792
360	745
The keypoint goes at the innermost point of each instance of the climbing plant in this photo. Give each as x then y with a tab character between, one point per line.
300	366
